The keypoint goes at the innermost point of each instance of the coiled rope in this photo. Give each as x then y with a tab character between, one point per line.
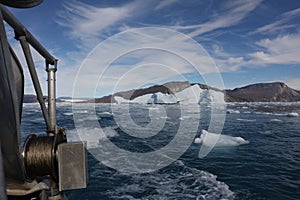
39	156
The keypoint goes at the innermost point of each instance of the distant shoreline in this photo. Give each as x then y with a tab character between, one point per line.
260	92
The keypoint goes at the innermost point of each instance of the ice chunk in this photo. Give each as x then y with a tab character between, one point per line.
246	120
275	120
197	140
230	111
208	139
293	114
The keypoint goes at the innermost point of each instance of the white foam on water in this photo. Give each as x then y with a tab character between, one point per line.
279	114
246	120
163	117
175	182
154	108
208	139
81	111
275	120
268	132
68	113
185	117
91	135
105	114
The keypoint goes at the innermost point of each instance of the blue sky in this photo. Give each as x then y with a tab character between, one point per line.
250	41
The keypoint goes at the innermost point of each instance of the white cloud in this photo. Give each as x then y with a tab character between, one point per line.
88	23
165	3
231	14
281	50
293	83
281	23
141	56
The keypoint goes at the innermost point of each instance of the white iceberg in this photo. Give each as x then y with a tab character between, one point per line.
211	96
293	114
191	95
121	100
209	139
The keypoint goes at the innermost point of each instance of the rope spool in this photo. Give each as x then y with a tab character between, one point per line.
39	156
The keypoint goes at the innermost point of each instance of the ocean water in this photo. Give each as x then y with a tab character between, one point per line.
268	167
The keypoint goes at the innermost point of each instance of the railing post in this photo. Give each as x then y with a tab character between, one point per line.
34	77
52	96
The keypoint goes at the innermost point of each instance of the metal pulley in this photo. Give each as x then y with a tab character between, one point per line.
40	155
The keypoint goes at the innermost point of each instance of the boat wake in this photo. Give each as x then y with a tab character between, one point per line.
176	181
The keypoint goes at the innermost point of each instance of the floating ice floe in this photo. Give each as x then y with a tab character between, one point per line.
246	120
219	140
230	111
91	136
197	140
105	114
68	113
275	120
293	114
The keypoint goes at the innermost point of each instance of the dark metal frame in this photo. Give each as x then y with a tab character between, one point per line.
26	38
54	148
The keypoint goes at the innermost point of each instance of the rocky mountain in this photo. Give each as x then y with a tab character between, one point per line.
263	92
29	98
260	92
167	88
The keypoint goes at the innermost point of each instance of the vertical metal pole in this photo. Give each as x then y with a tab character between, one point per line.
35	79
52	96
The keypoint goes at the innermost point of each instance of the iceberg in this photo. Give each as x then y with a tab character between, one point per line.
191	95
155	98
208	139
197	140
120	100
211	96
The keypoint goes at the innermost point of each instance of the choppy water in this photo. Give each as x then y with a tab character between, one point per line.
266	168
